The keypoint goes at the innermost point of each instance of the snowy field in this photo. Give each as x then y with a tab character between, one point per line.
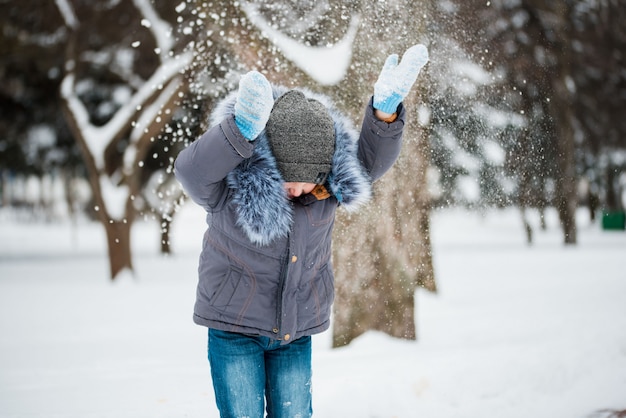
514	332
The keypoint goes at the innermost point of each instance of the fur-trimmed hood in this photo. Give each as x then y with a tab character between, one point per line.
263	210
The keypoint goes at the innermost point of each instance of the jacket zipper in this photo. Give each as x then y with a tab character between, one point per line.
281	288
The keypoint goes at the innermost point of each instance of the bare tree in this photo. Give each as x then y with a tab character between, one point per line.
116	179
530	45
554	18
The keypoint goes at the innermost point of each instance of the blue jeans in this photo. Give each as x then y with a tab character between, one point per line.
247	369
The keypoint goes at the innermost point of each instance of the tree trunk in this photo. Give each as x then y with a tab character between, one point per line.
567	199
383	254
118	242
165	235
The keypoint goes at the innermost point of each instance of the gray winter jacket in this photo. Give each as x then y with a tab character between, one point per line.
265	266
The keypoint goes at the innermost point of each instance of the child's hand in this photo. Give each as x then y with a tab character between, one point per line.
395	80
254	104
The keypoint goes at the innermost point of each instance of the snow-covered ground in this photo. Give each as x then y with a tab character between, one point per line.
516	331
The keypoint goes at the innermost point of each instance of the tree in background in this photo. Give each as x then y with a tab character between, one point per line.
117	98
111	49
599	42
559	65
35	139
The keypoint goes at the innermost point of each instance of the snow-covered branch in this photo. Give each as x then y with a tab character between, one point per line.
161	30
326	64
149	116
67	13
97	138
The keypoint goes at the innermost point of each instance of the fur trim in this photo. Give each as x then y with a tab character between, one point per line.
263	211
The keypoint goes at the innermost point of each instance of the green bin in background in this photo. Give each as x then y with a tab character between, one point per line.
614	220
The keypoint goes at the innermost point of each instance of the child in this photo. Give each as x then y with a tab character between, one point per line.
270	172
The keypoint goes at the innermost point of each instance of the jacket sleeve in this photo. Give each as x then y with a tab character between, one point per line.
380	142
202	167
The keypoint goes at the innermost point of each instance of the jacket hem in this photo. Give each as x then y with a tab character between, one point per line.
223	326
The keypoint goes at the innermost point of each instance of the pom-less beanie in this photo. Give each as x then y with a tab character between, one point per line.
301	134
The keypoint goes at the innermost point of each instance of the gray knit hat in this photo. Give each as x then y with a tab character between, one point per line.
301	134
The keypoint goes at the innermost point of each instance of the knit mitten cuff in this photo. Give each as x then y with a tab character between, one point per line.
388	104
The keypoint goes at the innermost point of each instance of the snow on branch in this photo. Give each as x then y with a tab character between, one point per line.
149	115
97	138
81	117
326	64
65	8
161	30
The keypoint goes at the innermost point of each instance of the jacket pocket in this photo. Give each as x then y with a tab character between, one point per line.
315	299
227	289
